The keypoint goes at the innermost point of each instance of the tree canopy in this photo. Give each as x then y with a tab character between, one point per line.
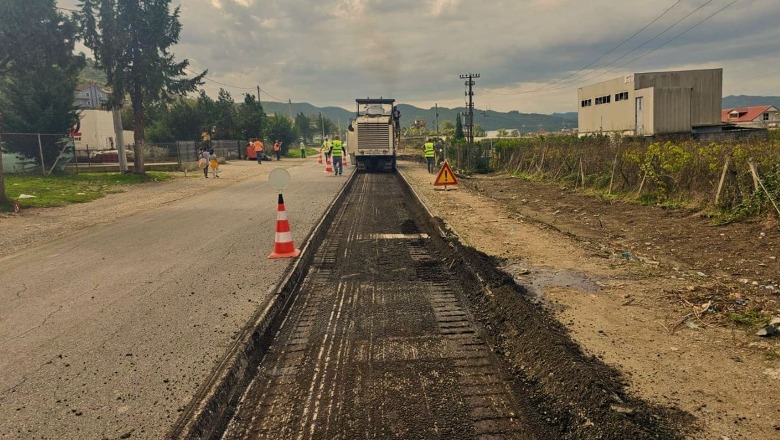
131	42
38	75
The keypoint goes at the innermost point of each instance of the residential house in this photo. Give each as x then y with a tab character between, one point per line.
765	116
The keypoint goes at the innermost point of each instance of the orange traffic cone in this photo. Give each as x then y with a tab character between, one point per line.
346	162
328	166
283	243
319	161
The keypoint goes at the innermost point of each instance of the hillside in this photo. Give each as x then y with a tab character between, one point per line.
750	101
489	120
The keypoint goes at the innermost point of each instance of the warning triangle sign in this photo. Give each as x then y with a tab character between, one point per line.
446	176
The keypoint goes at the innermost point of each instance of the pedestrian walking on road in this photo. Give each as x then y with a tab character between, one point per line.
303	149
203	163
258	150
213	163
429	153
278	149
337	151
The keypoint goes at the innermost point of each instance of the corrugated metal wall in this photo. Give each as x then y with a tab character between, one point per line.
706	91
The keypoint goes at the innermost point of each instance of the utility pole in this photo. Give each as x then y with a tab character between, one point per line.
470	110
437	119
258	94
289	103
3	197
322	127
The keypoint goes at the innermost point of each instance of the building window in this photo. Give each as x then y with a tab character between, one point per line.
622	96
603	99
766	116
585	103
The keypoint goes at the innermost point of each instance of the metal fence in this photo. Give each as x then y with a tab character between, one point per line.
35	152
47	153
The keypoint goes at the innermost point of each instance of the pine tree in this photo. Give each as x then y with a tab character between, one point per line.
459	128
38	75
131	41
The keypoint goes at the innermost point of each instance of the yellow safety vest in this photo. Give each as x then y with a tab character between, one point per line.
336	150
429	149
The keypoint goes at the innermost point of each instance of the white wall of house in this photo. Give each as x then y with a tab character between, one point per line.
97	131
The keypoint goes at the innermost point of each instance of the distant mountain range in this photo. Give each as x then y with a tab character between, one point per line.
750	101
489	120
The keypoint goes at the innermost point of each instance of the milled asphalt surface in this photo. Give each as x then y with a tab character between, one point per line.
109	332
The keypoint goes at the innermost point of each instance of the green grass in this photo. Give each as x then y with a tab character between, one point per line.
750	318
296	152
50	191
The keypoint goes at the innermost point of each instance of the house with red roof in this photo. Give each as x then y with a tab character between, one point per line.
765	116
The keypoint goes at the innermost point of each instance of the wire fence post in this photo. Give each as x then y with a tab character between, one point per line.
40	150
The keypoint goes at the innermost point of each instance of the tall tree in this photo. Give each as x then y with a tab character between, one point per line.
281	128
304	127
131	41
459	128
251	118
38	73
225	116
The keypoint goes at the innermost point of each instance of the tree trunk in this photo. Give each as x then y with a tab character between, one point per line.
138	131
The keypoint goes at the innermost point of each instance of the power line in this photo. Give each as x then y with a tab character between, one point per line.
649	41
217	82
270	95
673	38
616	47
565	84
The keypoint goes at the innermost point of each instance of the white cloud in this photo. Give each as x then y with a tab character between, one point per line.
531	54
440	7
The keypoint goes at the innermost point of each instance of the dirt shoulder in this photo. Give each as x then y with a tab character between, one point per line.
631	284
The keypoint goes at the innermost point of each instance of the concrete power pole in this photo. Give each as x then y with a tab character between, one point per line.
3	197
470	113
120	139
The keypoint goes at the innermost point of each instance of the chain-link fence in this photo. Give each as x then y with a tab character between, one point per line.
35	152
47	153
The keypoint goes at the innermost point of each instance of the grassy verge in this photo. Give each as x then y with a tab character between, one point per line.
49	191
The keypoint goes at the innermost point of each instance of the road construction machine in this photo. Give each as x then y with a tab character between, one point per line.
374	136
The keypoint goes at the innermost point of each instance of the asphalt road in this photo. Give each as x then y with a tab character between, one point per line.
108	333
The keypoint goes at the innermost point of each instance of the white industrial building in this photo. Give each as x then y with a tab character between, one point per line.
648	104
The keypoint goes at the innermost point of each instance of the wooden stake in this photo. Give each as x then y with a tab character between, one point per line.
582	173
754	172
612	176
722	179
642	184
756	178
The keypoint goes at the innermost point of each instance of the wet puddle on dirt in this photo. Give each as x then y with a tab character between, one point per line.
536	279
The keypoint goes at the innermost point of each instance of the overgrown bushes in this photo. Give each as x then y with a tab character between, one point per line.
734	177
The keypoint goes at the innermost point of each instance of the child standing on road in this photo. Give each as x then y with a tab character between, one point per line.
213	163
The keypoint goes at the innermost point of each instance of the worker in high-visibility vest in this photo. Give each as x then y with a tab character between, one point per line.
337	151
326	144
429	153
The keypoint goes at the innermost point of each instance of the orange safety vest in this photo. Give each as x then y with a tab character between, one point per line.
277	146
258	146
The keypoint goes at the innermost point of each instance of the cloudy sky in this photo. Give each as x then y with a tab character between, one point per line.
531	55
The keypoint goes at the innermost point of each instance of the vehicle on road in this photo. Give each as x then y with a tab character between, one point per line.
373	137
